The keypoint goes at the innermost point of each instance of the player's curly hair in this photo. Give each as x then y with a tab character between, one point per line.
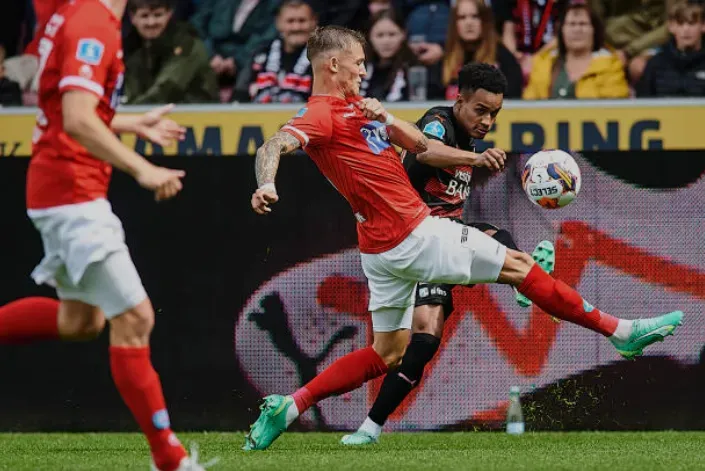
478	75
332	38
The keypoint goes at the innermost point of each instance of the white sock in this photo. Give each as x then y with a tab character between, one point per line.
292	413
623	331
370	428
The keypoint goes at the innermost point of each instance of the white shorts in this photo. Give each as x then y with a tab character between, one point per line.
85	256
437	251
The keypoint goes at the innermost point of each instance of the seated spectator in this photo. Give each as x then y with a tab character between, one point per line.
10	93
388	59
679	69
527	26
165	60
472	37
580	66
636	28
233	30
426	27
280	72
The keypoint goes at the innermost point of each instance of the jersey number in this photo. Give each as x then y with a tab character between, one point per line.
45	48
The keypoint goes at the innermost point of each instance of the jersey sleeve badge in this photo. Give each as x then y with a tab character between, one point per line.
90	51
435	129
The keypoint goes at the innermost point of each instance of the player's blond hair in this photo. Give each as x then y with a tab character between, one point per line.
332	38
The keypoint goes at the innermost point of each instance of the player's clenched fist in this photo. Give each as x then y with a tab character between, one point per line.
262	198
493	159
164	182
372	109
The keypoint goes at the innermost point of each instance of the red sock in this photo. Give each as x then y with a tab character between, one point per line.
561	301
141	390
345	374
28	320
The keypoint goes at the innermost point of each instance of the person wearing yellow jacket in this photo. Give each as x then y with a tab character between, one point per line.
579	66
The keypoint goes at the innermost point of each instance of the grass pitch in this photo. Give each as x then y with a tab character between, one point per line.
404	451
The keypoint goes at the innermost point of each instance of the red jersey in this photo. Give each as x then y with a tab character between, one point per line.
80	49
43	9
356	156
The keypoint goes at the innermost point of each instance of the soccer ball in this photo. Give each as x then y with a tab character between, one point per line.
551	179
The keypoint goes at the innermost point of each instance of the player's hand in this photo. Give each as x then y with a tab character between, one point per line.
372	109
431	55
164	182
492	158
155	127
262	198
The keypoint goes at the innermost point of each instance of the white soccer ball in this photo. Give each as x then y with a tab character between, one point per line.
551	179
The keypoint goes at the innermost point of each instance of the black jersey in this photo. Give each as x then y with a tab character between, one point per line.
444	190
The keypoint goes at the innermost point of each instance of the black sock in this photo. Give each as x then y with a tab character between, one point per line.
505	238
399	383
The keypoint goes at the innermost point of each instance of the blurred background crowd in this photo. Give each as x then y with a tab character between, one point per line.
224	51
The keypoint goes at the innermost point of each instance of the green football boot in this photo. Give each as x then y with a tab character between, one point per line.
270	424
359	438
647	331
545	255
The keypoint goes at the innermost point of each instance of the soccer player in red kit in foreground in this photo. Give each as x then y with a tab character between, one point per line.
350	140
86	259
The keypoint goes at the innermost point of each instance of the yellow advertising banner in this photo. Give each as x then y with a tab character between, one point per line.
223	130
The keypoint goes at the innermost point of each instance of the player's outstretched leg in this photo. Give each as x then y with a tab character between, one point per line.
545	256
630	338
345	374
28	320
398	384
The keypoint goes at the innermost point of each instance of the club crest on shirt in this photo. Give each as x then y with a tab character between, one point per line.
435	129
90	51
375	134
301	112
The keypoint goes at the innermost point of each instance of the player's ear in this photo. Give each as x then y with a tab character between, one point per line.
334	64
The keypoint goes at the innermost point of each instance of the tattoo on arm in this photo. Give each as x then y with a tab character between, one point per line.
267	161
421	145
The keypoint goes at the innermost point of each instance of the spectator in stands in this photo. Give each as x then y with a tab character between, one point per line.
636	28
10	93
166	61
426	27
679	69
280	72
233	30
580	66
472	37
388	59
527	26
376	6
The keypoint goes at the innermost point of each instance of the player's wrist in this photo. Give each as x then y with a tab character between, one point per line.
389	121
268	186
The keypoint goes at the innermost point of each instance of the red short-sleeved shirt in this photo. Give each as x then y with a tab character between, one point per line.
79	49
356	156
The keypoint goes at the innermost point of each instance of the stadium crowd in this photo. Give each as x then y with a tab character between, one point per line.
210	51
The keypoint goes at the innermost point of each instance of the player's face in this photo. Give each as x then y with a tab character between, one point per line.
687	35
478	111
295	24
150	23
578	31
469	23
351	70
386	38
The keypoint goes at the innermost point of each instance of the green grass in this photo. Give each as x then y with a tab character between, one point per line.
316	451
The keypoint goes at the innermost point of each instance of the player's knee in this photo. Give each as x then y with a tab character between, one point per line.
78	321
88	327
421	350
133	326
516	267
391	346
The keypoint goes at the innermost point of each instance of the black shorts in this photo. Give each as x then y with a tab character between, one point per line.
435	294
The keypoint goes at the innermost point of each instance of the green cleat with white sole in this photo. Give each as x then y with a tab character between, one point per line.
648	331
545	255
270	424
359	438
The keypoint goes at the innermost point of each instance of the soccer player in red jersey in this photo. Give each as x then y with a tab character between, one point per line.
86	259
401	244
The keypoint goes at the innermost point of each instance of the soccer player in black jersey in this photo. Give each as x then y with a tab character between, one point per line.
442	177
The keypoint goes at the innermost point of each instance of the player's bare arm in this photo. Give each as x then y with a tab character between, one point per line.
266	165
404	134
153	125
83	124
443	156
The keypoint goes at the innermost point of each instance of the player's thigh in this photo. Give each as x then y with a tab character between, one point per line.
445	251
433	304
391	297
